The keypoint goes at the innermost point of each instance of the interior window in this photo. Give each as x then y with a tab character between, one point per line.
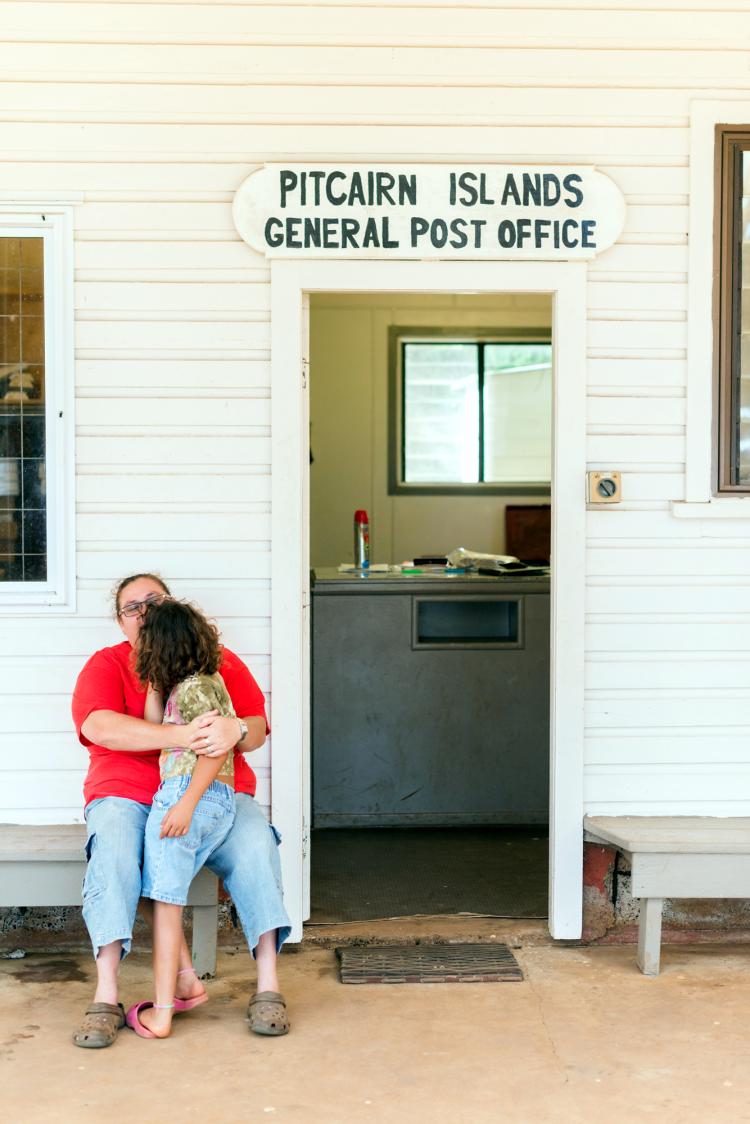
441	413
475	413
517	412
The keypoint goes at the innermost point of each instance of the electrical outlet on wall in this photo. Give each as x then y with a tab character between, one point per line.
603	487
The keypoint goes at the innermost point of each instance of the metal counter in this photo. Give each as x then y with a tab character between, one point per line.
430	699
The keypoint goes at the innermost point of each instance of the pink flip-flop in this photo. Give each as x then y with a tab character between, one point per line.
194	1001
131	1018
188	1004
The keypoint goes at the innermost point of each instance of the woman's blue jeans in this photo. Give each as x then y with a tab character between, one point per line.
247	862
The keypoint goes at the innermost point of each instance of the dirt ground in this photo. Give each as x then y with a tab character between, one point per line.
584	1037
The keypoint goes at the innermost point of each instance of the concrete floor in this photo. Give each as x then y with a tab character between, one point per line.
584	1037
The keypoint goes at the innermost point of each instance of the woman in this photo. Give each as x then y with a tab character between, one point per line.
123	775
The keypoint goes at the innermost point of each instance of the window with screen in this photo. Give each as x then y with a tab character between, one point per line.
733	308
475	414
37	472
23	466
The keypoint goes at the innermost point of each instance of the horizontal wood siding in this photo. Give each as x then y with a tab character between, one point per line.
157	112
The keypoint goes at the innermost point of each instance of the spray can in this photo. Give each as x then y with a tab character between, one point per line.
361	540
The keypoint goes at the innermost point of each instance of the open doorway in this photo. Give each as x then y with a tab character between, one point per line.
292	284
430	688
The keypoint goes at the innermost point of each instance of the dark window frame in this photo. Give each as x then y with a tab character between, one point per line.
731	142
398	336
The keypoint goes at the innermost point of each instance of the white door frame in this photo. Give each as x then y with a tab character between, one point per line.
291	284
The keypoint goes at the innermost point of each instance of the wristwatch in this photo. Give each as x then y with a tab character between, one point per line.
243	729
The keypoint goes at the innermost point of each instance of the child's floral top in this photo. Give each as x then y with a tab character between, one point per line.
189	699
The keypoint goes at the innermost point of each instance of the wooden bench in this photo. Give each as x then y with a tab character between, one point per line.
675	857
44	866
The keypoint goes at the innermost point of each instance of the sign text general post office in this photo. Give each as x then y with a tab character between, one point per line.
429	211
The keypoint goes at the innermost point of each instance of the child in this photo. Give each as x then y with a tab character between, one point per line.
178	655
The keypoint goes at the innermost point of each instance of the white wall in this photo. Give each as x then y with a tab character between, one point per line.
157	112
349	426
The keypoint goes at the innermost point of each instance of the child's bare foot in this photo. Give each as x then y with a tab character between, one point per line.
157	1019
188	985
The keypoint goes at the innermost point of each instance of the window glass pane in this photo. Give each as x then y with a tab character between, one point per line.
517	412
23	492
441	413
743	459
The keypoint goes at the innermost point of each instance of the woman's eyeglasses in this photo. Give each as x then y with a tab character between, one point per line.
135	608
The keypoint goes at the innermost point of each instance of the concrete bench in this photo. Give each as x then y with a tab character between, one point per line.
45	865
675	857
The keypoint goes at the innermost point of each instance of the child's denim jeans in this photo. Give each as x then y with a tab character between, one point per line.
171	863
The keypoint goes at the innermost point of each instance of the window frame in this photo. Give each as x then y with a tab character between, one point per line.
730	142
54	223
398	335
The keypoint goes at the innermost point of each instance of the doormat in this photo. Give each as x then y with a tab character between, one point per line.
428	963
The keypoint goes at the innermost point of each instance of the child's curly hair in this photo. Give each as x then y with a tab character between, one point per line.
175	641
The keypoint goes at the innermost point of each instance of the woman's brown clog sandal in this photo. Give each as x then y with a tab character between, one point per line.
266	1013
100	1025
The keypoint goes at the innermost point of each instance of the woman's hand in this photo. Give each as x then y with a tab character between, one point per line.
216	735
177	820
185	735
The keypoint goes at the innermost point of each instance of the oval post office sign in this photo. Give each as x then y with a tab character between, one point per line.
429	211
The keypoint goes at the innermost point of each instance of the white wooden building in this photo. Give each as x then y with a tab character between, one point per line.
176	353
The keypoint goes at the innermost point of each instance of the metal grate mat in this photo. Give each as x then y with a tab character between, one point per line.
454	963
